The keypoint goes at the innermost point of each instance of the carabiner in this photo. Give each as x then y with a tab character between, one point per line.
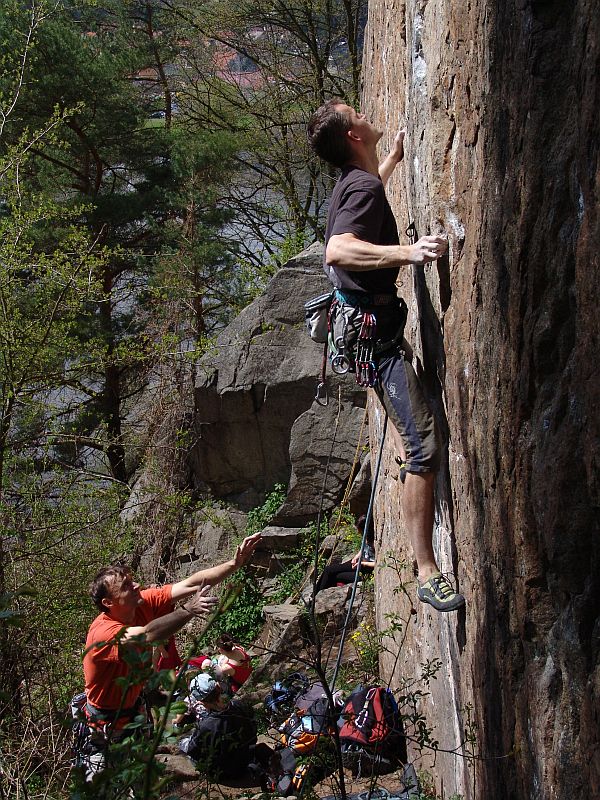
340	364
321	395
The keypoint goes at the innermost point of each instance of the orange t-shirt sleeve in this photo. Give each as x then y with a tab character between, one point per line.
102	639
157	602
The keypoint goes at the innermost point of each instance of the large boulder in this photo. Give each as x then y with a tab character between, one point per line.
203	539
287	640
256	422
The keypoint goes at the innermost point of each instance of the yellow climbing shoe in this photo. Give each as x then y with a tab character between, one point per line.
438	592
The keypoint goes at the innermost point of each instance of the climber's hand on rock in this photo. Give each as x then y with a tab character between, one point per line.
397	148
428	248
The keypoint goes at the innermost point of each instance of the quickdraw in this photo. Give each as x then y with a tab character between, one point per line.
366	368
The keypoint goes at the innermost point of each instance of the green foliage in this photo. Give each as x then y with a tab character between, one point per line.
290	580
244	619
367	644
145	203
428	792
343	521
302	55
293	243
260	517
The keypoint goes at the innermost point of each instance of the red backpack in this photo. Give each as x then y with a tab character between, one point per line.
372	735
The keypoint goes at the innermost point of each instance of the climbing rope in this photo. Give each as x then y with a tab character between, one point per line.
322	499
360	556
351	476
344	502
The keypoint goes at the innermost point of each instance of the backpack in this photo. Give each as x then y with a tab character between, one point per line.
372	735
303	728
301	732
286	775
222	742
312	693
280	701
290	768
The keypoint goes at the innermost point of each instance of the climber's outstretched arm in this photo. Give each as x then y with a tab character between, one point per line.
393	158
347	251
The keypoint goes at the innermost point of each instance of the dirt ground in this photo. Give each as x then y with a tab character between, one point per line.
183	788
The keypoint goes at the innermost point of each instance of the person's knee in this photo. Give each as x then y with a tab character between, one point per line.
95	764
426	456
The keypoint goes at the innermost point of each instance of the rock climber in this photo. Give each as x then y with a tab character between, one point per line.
234	663
363	257
223	743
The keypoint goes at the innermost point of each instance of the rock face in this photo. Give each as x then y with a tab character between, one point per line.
501	107
256	422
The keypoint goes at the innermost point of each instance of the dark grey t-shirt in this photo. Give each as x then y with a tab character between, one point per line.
358	205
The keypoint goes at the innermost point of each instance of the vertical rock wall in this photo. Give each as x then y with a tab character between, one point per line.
501	102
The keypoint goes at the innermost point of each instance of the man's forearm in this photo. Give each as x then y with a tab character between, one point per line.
357	255
205	577
387	166
163	627
394	157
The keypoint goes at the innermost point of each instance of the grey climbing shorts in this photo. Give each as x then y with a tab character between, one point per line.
400	392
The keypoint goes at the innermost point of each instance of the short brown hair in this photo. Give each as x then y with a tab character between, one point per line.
101	586
326	132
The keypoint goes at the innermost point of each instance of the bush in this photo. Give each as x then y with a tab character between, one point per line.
260	517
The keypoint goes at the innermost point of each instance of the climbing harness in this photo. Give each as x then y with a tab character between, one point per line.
353	343
345	323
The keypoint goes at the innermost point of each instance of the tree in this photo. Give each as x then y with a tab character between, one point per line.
261	68
122	173
92	199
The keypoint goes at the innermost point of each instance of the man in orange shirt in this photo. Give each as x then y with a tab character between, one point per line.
131	618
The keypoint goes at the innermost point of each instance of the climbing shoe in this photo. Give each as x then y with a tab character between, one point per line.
438	592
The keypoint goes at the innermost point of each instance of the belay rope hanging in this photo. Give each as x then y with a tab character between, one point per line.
349	337
360	556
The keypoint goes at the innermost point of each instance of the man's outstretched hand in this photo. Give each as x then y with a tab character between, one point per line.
245	550
201	602
428	248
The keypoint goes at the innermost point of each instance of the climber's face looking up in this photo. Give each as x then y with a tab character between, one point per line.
360	127
124	595
340	135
